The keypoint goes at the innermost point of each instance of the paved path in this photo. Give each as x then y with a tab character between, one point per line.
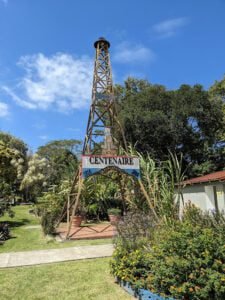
32	227
28	258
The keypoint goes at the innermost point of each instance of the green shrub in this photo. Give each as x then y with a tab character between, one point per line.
114	211
185	260
132	267
49	207
130	260
48	221
197	217
135	230
4	232
188	262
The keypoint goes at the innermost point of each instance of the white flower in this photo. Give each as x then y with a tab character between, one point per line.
20	160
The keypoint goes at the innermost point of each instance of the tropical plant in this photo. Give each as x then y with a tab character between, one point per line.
161	185
98	195
50	207
114	211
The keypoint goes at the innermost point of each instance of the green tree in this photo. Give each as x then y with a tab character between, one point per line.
36	178
13	163
62	158
54	162
217	93
186	120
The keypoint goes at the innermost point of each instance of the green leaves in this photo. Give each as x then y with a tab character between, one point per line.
185	263
161	181
61	157
188	120
185	260
13	163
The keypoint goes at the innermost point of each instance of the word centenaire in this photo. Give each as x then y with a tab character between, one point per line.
111	160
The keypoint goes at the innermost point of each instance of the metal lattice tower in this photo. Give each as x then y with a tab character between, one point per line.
101	126
102	116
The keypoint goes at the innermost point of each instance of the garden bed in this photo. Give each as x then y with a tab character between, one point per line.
140	294
182	260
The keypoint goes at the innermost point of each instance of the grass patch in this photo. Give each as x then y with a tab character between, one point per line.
25	238
87	279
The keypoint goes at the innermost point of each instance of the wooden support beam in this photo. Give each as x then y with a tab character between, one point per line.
148	199
76	204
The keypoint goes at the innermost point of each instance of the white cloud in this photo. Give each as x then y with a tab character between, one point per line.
43	137
4	109
17	99
169	27
60	81
129	53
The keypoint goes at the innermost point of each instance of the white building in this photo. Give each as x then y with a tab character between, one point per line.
206	192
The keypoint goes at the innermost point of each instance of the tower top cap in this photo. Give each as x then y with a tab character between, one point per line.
101	39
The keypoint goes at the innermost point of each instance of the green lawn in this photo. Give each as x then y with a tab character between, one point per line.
25	238
78	280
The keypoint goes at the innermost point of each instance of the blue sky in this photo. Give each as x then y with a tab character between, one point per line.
47	55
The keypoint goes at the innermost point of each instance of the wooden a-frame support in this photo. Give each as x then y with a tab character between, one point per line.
76	199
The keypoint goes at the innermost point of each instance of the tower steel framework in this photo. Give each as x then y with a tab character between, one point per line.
102	122
102	117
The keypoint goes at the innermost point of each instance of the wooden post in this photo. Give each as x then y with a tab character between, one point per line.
147	198
77	201
68	211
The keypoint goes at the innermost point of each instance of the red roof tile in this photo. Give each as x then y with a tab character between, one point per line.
217	176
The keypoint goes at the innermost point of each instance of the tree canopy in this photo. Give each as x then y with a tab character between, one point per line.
62	158
13	154
28	175
187	120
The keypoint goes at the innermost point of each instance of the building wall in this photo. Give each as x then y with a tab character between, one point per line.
220	191
209	194
196	195
202	196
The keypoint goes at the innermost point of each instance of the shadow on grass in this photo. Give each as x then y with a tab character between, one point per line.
13	224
